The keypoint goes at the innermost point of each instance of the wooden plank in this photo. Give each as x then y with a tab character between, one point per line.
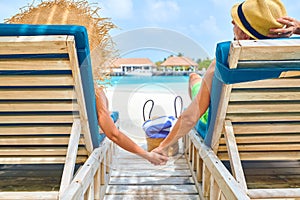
233	153
274	193
150	172
221	113
151	189
79	94
269	83
289	74
265	95
47	93
266	128
38	151
151	197
277	50
72	152
151	181
33	45
152	167
35	129
29	195
264	147
234	54
264	117
263	107
284	138
38	159
36	80
36	118
270	156
35	64
21	106
31	140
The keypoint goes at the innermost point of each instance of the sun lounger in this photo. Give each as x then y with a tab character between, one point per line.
47	111
252	145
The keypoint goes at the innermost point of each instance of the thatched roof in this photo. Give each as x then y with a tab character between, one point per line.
179	61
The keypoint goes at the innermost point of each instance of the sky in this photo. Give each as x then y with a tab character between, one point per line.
158	28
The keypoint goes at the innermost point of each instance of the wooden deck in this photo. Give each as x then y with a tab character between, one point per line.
135	178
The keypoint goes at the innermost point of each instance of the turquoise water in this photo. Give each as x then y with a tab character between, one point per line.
138	80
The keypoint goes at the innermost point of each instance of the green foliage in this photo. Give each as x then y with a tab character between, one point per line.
204	63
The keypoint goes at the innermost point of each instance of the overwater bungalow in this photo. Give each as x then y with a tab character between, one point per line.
179	64
132	66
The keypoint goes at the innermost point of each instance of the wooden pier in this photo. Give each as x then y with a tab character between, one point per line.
135	178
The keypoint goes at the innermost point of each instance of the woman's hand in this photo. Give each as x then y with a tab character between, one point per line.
156	158
291	26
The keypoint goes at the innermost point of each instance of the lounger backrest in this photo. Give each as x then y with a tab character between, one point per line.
263	110
42	80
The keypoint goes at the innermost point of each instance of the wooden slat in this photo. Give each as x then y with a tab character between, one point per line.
255	50
21	106
49	93
29	195
35	130
275	193
266	128
38	159
55	118
72	152
284	138
264	117
36	80
269	83
265	95
233	153
35	64
151	189
38	151
33	45
264	147
263	107
80	94
152	197
271	156
30	140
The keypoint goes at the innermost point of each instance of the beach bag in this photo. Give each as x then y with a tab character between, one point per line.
158	128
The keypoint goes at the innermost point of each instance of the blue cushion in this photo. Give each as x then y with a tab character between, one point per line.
83	54
115	116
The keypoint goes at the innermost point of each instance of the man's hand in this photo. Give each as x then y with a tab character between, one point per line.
291	26
156	158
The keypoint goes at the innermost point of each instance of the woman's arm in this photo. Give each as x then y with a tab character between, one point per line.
114	134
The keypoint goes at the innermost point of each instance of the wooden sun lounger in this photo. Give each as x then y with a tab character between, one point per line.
44	121
253	148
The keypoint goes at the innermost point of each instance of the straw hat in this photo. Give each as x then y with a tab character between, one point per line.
256	17
77	12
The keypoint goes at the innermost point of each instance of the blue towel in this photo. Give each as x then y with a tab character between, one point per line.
159	127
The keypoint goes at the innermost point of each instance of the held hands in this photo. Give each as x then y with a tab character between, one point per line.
156	158
291	26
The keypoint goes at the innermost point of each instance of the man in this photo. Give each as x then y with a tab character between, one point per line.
251	19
